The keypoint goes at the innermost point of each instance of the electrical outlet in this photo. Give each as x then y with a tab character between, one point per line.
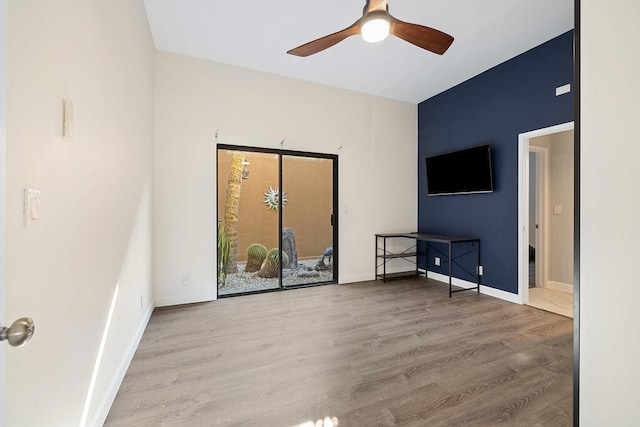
186	280
437	261
561	90
480	270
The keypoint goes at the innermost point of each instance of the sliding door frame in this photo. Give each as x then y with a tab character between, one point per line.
280	153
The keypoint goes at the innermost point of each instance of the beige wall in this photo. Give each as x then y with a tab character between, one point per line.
561	194
309	191
195	99
95	222
609	206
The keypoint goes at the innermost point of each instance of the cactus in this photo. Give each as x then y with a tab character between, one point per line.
256	253
271	266
223	254
232	209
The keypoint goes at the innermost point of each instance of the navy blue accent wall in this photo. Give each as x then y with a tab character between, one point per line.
496	106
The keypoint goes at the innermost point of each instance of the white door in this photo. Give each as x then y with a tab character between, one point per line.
533	221
541	222
4	322
3	200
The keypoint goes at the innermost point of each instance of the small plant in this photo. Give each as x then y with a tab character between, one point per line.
271	266
224	247
256	253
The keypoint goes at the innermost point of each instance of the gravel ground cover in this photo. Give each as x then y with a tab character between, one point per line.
250	282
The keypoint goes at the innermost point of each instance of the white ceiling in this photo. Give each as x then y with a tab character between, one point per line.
257	34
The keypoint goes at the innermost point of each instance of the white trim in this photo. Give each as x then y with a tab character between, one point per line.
486	290
523	204
3	203
105	405
356	278
560	287
185	299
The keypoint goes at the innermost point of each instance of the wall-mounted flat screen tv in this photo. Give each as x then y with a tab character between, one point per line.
460	172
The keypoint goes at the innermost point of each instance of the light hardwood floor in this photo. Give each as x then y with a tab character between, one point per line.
551	300
366	354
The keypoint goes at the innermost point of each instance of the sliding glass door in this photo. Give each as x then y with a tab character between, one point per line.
277	224
308	232
247	231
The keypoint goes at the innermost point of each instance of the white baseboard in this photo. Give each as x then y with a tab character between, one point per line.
185	299
486	290
560	287
107	402
368	277
356	278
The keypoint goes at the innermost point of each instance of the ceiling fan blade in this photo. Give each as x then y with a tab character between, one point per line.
421	36
325	42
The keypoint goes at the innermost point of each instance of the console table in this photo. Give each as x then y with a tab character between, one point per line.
384	255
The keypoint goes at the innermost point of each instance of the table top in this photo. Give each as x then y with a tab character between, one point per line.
431	237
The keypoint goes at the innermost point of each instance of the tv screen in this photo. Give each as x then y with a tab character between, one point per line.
460	172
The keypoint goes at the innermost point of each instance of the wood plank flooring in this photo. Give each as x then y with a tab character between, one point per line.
552	300
367	354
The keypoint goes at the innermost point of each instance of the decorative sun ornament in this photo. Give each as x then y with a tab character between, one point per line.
271	198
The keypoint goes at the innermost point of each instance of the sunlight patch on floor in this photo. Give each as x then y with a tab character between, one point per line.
326	422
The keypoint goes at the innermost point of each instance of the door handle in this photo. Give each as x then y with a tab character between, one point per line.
19	333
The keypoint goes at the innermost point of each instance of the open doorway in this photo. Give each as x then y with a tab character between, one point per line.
546	176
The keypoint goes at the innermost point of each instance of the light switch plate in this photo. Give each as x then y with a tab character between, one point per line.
67	119
31	208
557	210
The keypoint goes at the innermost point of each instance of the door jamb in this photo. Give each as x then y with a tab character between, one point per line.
523	204
3	201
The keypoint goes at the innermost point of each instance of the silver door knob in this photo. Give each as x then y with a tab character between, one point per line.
19	333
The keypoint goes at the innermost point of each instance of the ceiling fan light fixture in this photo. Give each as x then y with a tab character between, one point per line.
374	26
375	30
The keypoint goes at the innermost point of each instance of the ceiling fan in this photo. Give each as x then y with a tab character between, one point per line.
374	26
